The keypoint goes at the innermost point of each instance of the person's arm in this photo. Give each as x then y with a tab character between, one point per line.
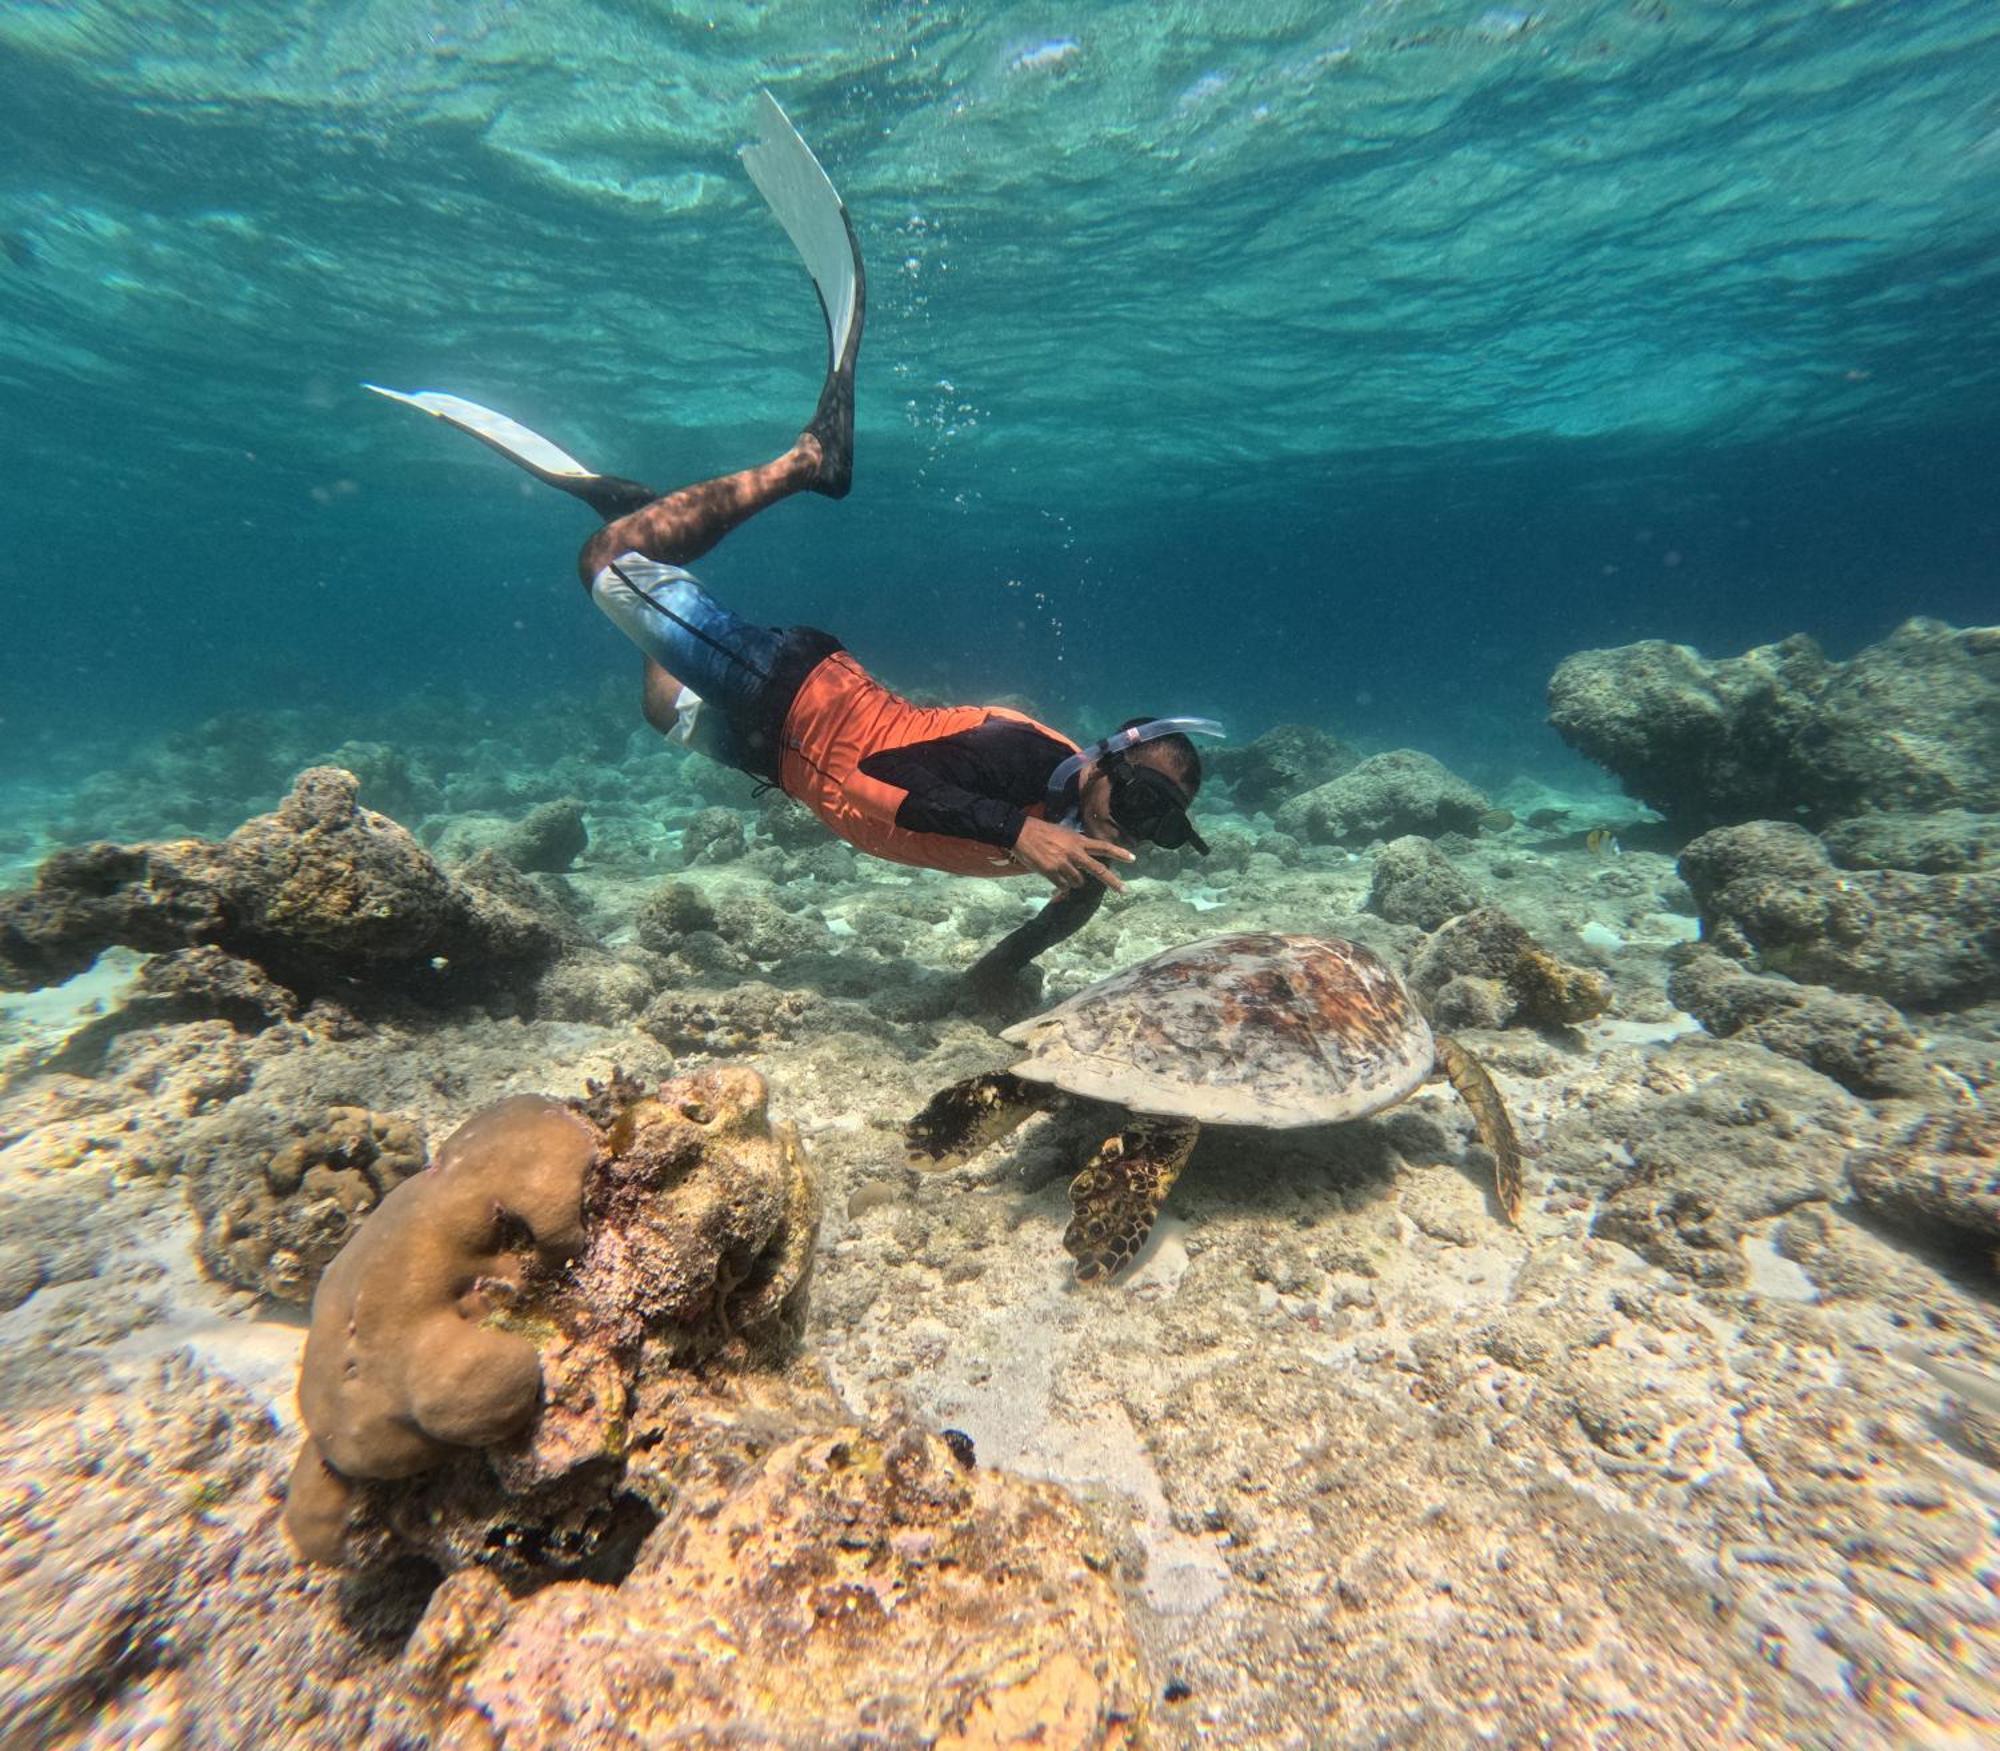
933	804
1010	762
1063	916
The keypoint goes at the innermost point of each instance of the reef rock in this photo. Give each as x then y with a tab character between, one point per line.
1385	797
1483	969
723	1024
869	1585
1911	724
596	1443
649	1232
548	839
713	836
1861	1042
1768	893
1938	844
206	981
1941	1176
323	895
1689	1147
125	1516
1415	883
670	914
272	1222
1282	763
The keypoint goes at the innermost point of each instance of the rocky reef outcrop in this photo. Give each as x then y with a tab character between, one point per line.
1769	895
1483	969
548	839
1385	797
1860	1042
1910	725
1282	763
1415	883
1939	1177
475	1350
322	897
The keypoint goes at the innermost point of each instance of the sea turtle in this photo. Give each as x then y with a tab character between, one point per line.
1252	1028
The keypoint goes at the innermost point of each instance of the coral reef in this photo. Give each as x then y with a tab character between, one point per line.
1939	1175
1861	1042
322	895
1784	731
1483	969
1701	1444
1932	844
1768	893
1385	797
713	836
863	1579
1415	883
272	1222
1282	763
548	839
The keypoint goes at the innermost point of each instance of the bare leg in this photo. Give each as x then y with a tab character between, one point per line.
660	698
683	525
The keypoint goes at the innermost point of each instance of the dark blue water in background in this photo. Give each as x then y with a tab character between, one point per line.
1363	411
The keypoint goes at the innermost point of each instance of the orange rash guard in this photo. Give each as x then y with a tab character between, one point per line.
839	717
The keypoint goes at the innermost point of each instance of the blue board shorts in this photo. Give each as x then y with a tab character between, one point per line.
745	675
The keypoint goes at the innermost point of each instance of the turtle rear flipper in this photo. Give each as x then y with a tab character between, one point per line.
1120	1190
959	1121
1489	1115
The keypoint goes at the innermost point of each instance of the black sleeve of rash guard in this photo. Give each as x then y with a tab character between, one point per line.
974	785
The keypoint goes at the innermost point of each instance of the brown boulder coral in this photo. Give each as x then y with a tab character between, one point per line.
487	1326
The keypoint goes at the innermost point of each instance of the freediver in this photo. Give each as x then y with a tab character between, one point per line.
970	790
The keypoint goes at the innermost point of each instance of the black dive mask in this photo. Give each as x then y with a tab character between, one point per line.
1149	805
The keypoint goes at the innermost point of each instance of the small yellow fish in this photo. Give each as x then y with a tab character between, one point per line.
1603	842
1496	820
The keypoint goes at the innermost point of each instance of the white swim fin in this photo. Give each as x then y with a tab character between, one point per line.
606	494
814	216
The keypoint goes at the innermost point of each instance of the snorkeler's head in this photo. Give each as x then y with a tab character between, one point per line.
1141	791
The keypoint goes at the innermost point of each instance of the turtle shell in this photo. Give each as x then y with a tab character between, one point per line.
1248	1029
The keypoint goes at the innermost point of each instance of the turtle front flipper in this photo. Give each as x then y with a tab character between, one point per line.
1120	1191
967	1117
1489	1115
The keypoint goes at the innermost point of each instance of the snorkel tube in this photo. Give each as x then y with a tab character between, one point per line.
1118	743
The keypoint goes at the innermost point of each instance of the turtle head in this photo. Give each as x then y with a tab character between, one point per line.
959	1121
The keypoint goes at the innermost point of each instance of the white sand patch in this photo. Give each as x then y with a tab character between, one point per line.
1771	1273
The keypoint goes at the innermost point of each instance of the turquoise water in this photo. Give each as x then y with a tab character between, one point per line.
1352	362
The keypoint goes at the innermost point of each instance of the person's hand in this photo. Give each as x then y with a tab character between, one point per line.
1067	858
